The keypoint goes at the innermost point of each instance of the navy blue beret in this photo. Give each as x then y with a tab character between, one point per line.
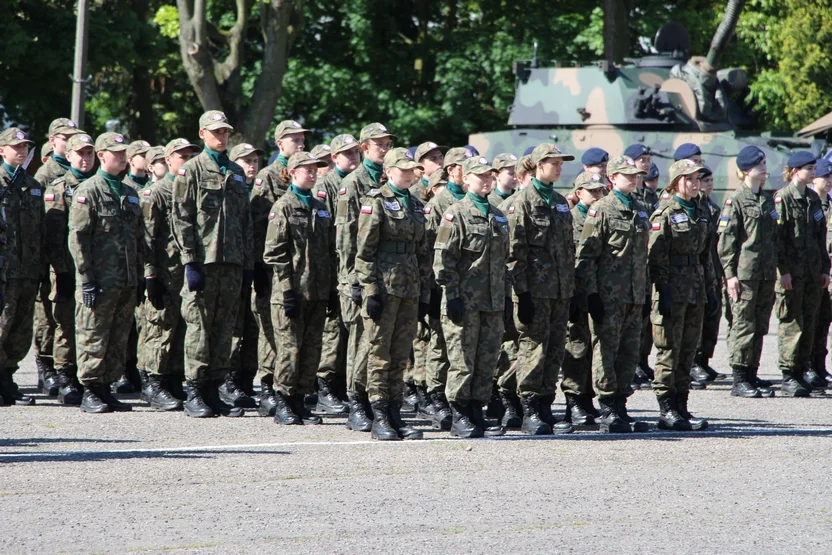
653	173
528	151
824	168
686	151
800	158
472	150
749	157
595	157
412	151
705	172
636	150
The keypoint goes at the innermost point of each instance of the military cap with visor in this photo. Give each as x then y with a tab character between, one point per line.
476	164
155	154
322	152
424	148
137	147
548	150
79	141
47	149
623	164
706	172
437	178
303	158
504	160
456	156
180	144
683	167
63	126
244	149
374	131
342	143
400	158
589	180
288	127
114	142
213	120
14	136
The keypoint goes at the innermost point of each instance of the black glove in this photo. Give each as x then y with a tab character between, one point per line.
424	309
65	284
140	292
713	303
375	304
245	290
596	307
435	311
456	311
665	301
508	313
574	308
194	277
525	308
356	293
261	279
155	292
291	304
333	305
89	292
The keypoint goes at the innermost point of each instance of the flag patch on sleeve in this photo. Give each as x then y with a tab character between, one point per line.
657	226
723	221
82	200
592	212
50	197
321	194
181	171
366	209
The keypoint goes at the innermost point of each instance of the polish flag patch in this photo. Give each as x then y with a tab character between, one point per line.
272	216
82	200
657	226
511	210
49	196
342	191
321	194
428	209
181	171
449	217
258	181
778	200
366	209
728	202
146	192
592	212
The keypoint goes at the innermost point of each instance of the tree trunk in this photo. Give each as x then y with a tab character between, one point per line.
616	31
146	128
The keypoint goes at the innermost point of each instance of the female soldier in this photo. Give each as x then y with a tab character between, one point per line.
822	185
506	181
393	266
470	266
523	173
803	265
682	269
747	248
300	245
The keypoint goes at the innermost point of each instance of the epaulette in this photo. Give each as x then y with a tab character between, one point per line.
374	192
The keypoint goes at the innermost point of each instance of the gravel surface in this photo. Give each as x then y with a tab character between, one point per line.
150	482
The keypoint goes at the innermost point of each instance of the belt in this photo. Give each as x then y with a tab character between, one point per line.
397	247
684	260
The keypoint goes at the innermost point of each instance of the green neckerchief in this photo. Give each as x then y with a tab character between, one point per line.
626	199
425	183
545	190
62	161
375	170
219	158
81	176
503	195
455	190
171	176
582	208
250	187
686	204
9	169
140	180
341	173
283	160
403	196
304	195
112	181
480	202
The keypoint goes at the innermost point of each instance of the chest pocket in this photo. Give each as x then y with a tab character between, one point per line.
398	225
681	226
210	191
620	231
752	211
109	216
541	223
299	226
476	238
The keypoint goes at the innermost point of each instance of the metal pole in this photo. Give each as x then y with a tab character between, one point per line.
78	78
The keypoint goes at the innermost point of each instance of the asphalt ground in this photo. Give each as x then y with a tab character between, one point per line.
149	482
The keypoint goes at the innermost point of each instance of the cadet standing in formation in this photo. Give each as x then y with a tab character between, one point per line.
822	184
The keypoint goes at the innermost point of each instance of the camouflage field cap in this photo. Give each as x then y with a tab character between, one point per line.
114	142
456	156
374	131
322	152
47	149
424	148
548	150
155	154
400	158
683	167
14	136
589	181
437	178
179	144
623	164
63	126
79	141
287	127
504	160
342	143
244	149
213	120
303	158
137	147
477	165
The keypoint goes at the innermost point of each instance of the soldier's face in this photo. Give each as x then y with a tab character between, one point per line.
159	169
706	184
59	144
304	176
806	174
549	169
348	160
624	182
81	159
290	144
178	158
112	162
507	179
759	173
15	155
432	161
138	162
401	179
688	186
479	183
216	140
589	196
375	149
643	162
250	164
821	185
323	170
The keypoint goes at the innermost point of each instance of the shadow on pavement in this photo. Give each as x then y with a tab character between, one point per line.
33	441
91	456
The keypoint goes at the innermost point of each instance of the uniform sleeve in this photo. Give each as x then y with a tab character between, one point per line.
183	216
57	223
784	228
142	250
346	223
333	255
658	250
821	238
369	222
447	252
433	219
248	240
151	213
82	221
424	257
261	203
589	252
728	245
518	251
278	248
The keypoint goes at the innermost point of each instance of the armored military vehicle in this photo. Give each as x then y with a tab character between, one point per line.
661	100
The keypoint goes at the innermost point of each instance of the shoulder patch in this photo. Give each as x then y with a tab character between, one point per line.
723	221
49	197
258	181
35	192
146	192
778	200
449	217
511	210
665	196
133	200
342	191
181	171
656	226
374	192
272	216
82	200
321	194
592	212
728	202
428	209
366	209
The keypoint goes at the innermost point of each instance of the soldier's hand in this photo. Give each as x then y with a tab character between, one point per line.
194	277
291	304
155	292
508	313
435	311
456	311
375	305
89	293
786	282
666	301
525	308
261	279
424	308
356	293
65	284
734	288
596	307
333	305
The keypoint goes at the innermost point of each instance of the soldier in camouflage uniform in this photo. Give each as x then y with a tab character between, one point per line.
470	266
212	229
682	269
822	185
506	182
612	272
157	167
375	141
24	262
748	251
164	339
429	154
323	153
392	265
300	246
106	234
803	267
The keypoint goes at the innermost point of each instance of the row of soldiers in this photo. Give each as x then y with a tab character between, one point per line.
440	282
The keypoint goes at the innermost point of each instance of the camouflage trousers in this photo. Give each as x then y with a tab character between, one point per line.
676	338
389	342
134	353
209	317
748	325
473	349
416	369
164	334
819	348
334	350
103	331
646	339
44	321
710	329
261	309
436	365
577	360
506	371
298	347
63	343
797	311
616	348
356	359
244	341
16	322
541	346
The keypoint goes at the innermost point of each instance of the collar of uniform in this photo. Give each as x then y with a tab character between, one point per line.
209	164
472	209
620	202
795	191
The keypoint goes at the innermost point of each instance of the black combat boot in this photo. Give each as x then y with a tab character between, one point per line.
173	382
195	404
300	408
123	385
328	402
705	363
358	421
696	424
92	401
532	423
11	392
117	406
382	429
218	406
160	397
586	402
545	411
610	422
764	387
405	431
411	397
267	401
232	394
511	419
424	405
146	391
670	419
641	379
495	405
814	380
47	377
576	414
461	424
699	374
637	425
791	386
365	400
742	387
478	419
69	392
284	412
441	419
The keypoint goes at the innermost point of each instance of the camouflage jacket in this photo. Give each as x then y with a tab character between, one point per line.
680	252
713	211
211	214
612	255
801	233
353	188
106	235
135	184
326	191
578	220
826	204
496	200
578	336
49	172
471	255
434	210
162	253
542	254
22	204
419	191
58	200
300	246
648	197
268	188
747	244
392	255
